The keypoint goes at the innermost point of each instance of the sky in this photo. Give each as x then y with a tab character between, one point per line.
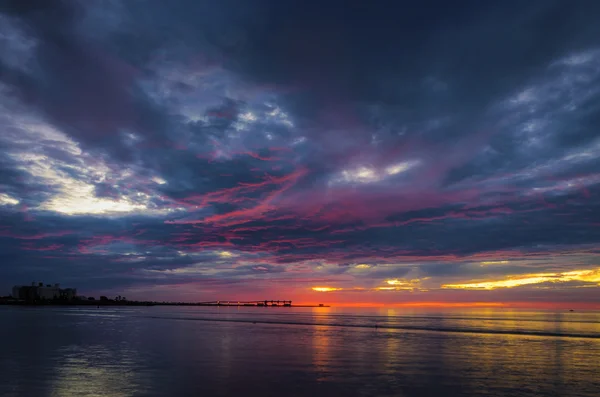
344	152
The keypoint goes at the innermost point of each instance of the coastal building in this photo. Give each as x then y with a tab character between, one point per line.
68	293
40	292
48	292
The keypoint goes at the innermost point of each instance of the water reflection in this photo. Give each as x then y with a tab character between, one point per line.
321	356
277	352
94	371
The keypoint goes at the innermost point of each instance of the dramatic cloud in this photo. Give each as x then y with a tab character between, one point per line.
321	152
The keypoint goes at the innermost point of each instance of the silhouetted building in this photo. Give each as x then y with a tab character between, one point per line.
68	293
26	293
48	292
40	292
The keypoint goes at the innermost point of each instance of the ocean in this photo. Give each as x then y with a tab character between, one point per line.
250	351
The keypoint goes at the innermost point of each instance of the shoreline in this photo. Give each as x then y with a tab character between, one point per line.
149	303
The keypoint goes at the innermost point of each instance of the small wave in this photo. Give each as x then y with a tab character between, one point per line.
389	327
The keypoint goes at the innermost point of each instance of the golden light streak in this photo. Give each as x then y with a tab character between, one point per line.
331	289
362	266
495	262
395	281
589	276
405	283
325	289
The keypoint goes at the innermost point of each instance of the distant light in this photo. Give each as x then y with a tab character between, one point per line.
226	254
495	262
363	266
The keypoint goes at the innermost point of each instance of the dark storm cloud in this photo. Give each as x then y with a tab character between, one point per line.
388	53
77	83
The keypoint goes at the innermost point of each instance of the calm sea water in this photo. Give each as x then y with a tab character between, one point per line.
176	351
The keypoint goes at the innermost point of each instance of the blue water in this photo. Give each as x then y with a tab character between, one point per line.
195	351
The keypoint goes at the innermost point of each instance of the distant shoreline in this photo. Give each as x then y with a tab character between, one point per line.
139	303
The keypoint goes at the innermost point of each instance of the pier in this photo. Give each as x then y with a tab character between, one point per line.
262	303
40	294
111	302
269	303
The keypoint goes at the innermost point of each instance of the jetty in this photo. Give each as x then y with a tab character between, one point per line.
262	303
123	302
40	294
